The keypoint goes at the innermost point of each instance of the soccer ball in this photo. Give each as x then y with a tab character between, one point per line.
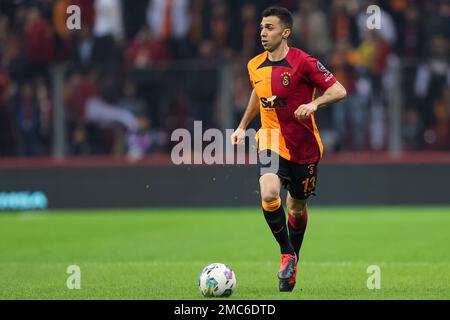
217	280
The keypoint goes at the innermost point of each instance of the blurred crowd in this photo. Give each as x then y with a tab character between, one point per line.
138	69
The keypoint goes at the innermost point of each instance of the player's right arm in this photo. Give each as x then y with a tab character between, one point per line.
238	136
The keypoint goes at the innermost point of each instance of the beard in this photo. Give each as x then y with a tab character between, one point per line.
274	46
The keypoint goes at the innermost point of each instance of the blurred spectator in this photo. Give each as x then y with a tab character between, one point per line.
250	34
169	18
343	22
104	109
198	15
38	42
311	29
432	76
349	115
412	130
44	103
108	19
439	136
131	101
108	123
78	90
373	53
145	52
144	140
11	54
79	141
203	88
27	115
6	119
437	17
134	16
372	56
83	52
107	56
412	31
431	86
220	34
178	112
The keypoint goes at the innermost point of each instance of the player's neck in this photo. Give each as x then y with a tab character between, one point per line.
279	53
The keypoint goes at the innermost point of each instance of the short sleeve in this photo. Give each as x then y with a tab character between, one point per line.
316	73
250	75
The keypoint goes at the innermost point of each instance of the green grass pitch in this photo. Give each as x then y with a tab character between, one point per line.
158	253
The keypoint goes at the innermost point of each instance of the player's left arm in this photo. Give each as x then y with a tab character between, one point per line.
331	95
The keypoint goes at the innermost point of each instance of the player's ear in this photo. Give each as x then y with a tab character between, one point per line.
286	33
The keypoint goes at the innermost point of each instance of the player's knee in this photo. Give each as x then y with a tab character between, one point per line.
270	195
296	210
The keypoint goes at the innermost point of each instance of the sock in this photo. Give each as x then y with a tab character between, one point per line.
297	228
276	219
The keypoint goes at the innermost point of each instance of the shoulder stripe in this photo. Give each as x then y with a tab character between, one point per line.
256	61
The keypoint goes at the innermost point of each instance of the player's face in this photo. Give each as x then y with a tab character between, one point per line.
272	33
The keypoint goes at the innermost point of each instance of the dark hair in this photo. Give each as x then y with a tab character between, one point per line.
283	14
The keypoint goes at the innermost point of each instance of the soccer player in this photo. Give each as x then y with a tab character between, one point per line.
284	81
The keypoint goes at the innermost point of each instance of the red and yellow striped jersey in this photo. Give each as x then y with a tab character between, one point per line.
282	86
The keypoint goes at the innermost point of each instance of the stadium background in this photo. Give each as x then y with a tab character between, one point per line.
86	117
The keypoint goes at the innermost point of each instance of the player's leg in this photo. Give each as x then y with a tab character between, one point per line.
304	179
297	221
276	219
302	185
273	210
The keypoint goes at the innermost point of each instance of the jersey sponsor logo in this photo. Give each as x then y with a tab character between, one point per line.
321	67
286	79
273	102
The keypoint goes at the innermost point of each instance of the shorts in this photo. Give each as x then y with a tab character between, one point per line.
299	179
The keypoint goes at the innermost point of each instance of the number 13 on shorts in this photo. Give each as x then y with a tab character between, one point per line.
309	184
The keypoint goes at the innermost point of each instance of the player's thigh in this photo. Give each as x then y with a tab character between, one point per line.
269	185
303	180
294	206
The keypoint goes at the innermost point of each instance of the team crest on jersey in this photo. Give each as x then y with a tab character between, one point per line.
286	79
321	67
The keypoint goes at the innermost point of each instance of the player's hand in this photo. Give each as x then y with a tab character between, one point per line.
305	110
238	136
